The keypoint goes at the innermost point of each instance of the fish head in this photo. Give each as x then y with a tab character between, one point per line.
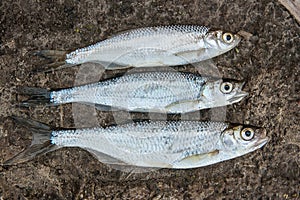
222	92
221	41
241	139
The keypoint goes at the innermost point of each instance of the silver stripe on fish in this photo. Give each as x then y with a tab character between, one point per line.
163	92
157	144
157	46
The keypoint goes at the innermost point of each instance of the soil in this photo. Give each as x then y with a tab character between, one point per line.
267	59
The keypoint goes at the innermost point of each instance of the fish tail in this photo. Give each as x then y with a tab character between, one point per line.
41	142
56	58
53	67
53	55
37	96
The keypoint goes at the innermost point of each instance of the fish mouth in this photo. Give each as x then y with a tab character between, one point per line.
238	97
238	38
261	142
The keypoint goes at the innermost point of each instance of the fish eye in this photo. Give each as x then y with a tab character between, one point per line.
227	37
247	134
226	87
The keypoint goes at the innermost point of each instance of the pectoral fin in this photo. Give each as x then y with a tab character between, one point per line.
191	53
114	65
195	159
183	106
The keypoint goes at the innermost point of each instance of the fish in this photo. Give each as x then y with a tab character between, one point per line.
152	47
153	144
158	92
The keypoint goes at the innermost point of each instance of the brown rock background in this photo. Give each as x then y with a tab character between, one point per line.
268	60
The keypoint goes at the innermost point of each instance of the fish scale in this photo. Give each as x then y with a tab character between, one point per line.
146	90
159	31
178	138
155	46
167	144
184	34
164	92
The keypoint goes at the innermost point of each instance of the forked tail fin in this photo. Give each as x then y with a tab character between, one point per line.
54	55
41	142
57	60
37	96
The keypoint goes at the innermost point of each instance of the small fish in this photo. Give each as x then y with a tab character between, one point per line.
163	92
153	46
156	144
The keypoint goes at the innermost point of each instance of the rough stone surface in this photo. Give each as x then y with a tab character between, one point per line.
268	59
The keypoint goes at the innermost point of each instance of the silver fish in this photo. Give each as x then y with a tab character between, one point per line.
160	144
155	46
164	92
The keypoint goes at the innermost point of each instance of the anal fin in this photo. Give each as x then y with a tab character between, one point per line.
106	159
31	152
123	166
195	160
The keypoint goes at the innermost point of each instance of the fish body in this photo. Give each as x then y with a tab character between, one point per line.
158	144
164	92
156	46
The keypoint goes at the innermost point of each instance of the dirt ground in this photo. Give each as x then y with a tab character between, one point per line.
268	59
